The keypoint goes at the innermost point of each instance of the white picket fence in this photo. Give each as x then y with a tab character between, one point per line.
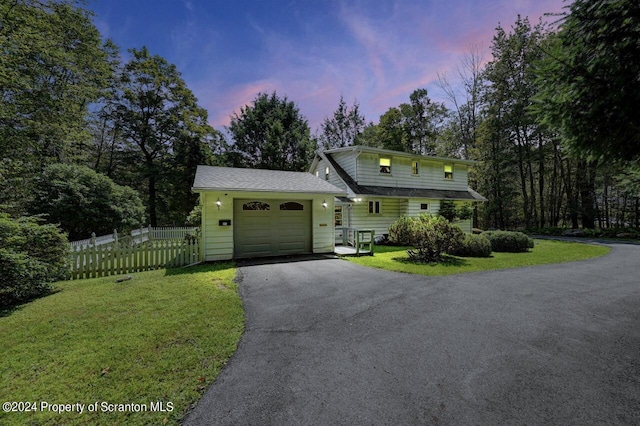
115	258
138	235
147	248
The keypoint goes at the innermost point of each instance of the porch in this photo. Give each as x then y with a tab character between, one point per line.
355	242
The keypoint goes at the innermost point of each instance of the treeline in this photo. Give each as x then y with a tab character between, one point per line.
551	119
93	141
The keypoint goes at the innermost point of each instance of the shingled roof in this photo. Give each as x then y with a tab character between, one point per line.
258	180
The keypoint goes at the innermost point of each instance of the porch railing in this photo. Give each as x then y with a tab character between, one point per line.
359	239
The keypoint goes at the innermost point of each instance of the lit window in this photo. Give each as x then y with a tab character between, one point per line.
448	171
385	165
326	173
317	173
374	207
415	167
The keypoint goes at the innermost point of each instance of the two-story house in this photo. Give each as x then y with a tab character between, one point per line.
254	213
383	185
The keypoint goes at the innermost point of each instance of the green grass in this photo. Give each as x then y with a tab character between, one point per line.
545	251
162	336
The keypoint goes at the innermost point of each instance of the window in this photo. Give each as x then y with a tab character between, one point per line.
317	173
326	173
385	165
256	205
291	205
338	216
415	167
448	171
374	207
424	206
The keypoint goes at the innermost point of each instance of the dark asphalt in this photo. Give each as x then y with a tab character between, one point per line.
330	342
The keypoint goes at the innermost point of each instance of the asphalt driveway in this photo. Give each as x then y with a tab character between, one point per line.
330	342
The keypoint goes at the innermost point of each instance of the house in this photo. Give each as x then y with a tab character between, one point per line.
254	213
383	185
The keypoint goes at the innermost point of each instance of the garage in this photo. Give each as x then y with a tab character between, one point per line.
265	227
249	213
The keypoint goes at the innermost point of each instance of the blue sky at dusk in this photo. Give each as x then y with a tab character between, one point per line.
375	51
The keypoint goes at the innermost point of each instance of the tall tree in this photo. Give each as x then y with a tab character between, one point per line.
589	84
509	89
390	132
466	115
423	121
53	65
162	124
344	128
412	127
271	134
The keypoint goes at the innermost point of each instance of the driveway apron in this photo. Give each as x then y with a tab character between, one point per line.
331	342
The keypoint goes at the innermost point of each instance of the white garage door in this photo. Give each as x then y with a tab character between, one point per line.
271	227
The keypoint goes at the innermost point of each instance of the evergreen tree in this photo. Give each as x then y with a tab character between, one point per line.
271	134
344	128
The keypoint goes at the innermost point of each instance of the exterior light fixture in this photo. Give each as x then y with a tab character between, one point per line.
324	204
218	203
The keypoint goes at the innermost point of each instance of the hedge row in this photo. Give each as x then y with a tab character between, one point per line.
508	241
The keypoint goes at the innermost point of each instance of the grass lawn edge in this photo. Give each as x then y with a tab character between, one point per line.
545	252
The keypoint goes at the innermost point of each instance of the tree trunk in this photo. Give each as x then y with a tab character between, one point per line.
153	219
541	181
586	188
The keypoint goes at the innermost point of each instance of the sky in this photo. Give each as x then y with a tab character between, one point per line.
375	52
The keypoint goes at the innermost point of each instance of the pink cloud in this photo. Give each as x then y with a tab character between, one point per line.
379	63
222	106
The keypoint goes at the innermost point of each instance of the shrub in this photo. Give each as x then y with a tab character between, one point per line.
32	256
434	237
403	230
507	241
83	201
449	211
474	246
195	217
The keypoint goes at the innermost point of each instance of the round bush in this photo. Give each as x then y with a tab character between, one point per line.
434	238
474	246
402	231
31	257
508	241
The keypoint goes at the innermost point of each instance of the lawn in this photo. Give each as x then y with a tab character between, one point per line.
161	337
545	251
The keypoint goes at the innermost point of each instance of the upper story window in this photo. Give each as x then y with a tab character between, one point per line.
317	173
326	173
415	167
385	165
448	171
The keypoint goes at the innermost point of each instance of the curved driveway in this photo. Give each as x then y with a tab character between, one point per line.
330	342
